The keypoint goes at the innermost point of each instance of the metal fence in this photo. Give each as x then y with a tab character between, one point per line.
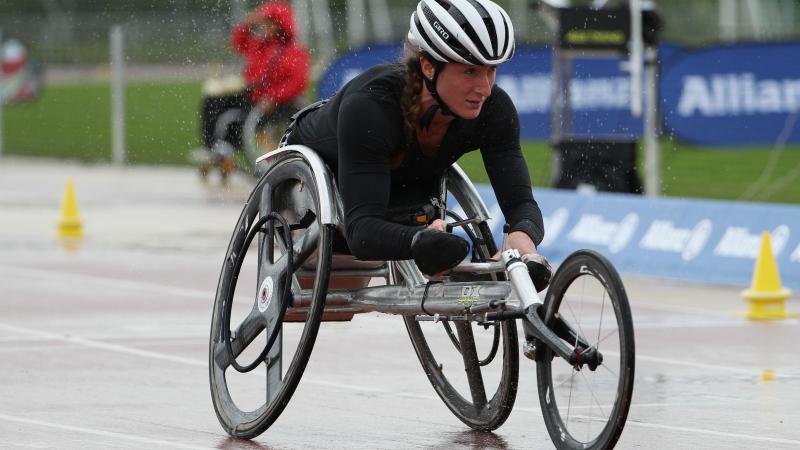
196	31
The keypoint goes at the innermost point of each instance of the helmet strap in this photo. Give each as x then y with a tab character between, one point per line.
430	84
427	117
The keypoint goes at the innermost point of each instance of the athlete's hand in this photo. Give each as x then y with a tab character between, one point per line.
438	225
520	241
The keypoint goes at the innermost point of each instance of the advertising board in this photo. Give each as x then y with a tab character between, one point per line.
699	240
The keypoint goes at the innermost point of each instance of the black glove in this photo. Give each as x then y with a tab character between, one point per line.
437	251
539	270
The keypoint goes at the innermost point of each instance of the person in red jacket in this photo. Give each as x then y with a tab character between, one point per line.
276	74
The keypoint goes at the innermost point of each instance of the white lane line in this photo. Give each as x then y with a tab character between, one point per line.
744	371
637	423
195	362
105	346
349	387
50	347
684	309
636	305
634	405
721	323
107	434
366	389
376	390
712	432
196	293
114	283
726	319
142	338
191	293
19	339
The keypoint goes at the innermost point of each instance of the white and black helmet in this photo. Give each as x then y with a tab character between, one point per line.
475	32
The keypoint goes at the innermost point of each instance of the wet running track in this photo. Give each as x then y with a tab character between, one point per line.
106	346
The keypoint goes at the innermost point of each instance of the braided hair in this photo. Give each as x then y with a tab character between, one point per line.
412	92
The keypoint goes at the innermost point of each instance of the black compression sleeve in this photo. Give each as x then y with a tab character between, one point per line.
367	134
507	170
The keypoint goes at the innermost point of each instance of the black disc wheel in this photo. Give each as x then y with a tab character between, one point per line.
256	358
585	405
474	367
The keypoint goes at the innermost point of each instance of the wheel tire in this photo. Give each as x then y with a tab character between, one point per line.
480	412
587	271
270	194
496	410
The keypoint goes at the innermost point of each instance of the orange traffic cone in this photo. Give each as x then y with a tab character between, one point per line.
766	296
69	226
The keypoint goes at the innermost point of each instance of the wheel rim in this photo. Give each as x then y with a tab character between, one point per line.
469	396
246	404
587	408
481	396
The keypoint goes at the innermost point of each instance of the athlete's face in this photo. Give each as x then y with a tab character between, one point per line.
464	88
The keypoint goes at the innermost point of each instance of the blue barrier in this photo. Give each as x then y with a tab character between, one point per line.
736	95
699	240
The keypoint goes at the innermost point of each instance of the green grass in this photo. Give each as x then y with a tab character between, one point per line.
73	121
689	171
537	157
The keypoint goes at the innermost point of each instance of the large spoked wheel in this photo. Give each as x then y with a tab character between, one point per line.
586	407
473	367
256	358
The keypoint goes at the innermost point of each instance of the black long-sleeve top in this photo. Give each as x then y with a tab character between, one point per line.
361	128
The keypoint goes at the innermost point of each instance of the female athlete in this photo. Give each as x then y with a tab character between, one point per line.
392	132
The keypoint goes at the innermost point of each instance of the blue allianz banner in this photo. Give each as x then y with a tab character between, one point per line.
733	95
718	96
707	241
600	90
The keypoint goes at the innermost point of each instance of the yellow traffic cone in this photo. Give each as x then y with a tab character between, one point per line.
766	296
69	226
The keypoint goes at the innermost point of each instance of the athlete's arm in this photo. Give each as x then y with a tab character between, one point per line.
508	173
367	135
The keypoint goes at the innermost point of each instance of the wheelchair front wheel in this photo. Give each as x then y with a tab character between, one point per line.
584	407
257	284
477	380
467	398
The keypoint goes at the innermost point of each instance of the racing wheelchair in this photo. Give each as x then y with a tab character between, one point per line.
242	132
279	278
254	135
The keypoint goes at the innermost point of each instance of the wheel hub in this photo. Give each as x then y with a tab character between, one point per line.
265	293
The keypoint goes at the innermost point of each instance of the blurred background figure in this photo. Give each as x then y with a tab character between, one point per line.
237	114
22	76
